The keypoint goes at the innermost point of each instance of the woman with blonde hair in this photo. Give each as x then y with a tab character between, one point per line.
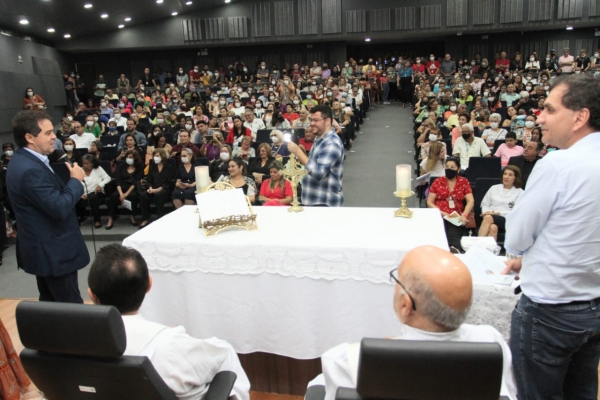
435	160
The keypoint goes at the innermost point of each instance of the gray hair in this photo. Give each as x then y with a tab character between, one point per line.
432	308
496	116
469	127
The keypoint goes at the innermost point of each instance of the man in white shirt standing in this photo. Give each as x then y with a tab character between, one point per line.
555	227
119	277
432	299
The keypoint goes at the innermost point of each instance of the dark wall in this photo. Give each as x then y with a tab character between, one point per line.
40	68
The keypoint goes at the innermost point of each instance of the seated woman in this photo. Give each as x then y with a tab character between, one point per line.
448	194
8	149
279	147
245	151
276	191
220	166
278	121
185	180
494	132
127	176
509	149
160	142
261	165
213	147
130	145
96	149
237	132
524	132
499	201
33	101
463	118
70	146
157	186
237	177
430	134
435	161
94	181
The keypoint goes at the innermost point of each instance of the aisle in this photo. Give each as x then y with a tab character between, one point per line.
369	172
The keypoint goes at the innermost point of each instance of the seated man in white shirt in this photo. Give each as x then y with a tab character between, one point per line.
468	145
432	299
82	139
119	277
253	123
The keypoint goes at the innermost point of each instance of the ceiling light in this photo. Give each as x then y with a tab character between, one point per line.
121	26
88	5
188	3
51	30
367	39
174	13
569	28
67	36
227	1
24	22
127	19
159	1
104	16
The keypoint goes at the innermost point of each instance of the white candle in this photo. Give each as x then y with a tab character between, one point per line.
202	177
403	181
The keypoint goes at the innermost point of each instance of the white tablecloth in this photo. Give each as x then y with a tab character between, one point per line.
298	286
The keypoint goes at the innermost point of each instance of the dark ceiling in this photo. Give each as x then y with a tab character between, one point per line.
70	16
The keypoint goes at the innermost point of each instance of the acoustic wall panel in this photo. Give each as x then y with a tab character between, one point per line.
294	58
307	17
381	20
238	27
53	88
43	66
317	56
184	63
331	16
356	21
478	48
539	47
192	31
559	45
540	10
509	48
12	90
284	18
484	12
261	19
431	16
271	59
511	11
587	44
456	12
406	18
594	8
568	9
214	28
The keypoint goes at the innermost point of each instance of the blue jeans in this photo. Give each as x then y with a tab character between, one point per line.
556	349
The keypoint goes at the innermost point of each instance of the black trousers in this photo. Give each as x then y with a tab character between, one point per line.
393	93
60	289
405	90
159	199
95	199
454	234
113	203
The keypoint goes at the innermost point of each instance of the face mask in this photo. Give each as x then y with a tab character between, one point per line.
68	147
418	61
30	94
344	94
238	105
90	123
460	86
546	88
275	139
196	70
245	69
485	94
9	153
185	160
529	124
484	63
222	102
490	99
70	118
308	96
433	137
157	160
271	98
188	127
129	161
451	173
466	136
263	67
117	116
528	88
452	108
329	94
225	156
346	65
181	71
112	128
467	76
431	58
493	125
122	105
258	105
175	101
296	102
141	88
96	119
286	82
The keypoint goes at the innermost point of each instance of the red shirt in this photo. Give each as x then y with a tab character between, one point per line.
502	65
291	116
195	76
231	136
433	67
418	68
276	194
306	144
443	194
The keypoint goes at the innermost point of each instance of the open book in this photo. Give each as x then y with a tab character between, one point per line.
453	218
216	204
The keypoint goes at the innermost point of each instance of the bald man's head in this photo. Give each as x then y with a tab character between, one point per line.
440	285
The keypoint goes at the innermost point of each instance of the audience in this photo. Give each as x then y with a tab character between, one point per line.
94	181
526	162
468	146
127	177
261	166
156	185
219	167
119	277
276	191
237	177
185	181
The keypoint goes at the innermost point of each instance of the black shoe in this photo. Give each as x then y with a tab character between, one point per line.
134	223
143	225
108	227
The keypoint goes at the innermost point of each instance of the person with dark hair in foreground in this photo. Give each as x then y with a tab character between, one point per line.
432	299
555	227
119	277
322	186
49	245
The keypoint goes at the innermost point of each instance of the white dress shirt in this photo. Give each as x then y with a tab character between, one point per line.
254	126
84	141
556	226
98	177
500	200
340	364
465	150
120	122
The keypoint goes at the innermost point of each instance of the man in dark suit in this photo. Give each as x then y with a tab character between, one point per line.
49	243
526	162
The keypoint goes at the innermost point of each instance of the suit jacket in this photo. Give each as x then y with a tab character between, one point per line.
49	242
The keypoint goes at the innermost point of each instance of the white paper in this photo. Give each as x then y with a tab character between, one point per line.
485	267
454	218
127	204
216	204
422	178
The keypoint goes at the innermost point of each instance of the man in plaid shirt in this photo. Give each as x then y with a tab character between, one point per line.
324	164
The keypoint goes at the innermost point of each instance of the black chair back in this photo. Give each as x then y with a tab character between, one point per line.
483	167
482	185
74	351
497	144
105	165
448	143
108	140
81	152
263	136
201	161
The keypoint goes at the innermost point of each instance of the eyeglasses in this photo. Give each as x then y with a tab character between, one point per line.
315	120
394	279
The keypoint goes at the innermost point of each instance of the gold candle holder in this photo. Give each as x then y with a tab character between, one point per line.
293	170
403	211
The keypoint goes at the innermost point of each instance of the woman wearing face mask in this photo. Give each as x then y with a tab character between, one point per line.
69	147
219	167
33	101
532	65
431	133
499	201
237	106
484	66
279	147
449	194
156	187
524	133
94	181
259	109
160	142
494	132
237	177
8	149
127	176
185	181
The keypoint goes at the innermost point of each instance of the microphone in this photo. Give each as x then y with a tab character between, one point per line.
59	155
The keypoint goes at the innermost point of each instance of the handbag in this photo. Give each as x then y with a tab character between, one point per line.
471	224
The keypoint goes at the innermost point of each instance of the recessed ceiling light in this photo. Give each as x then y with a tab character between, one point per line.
188	3
51	30
569	28
88	5
24	22
121	26
67	36
104	16
127	19
159	1
174	13
367	39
